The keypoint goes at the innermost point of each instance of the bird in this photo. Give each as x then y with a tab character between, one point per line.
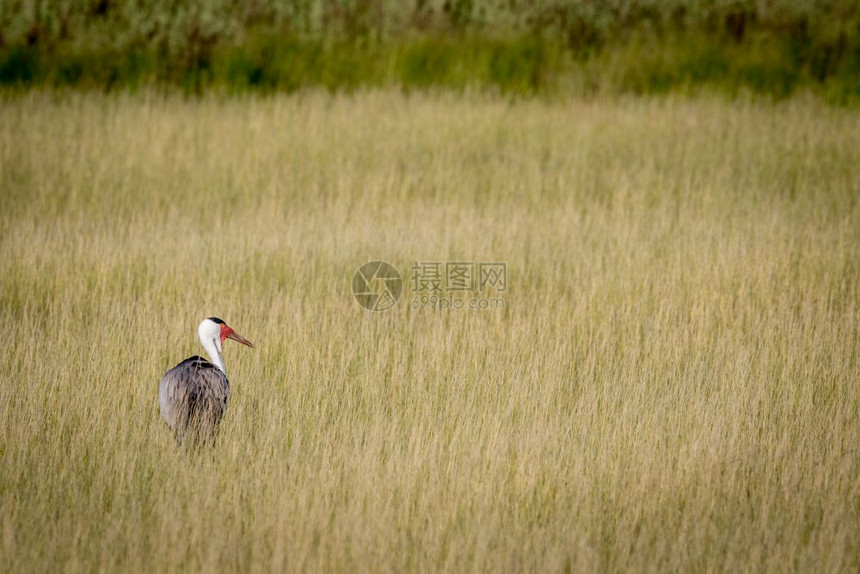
193	395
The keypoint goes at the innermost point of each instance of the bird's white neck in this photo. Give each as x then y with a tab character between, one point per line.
211	346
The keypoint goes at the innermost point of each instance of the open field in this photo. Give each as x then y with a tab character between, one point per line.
673	384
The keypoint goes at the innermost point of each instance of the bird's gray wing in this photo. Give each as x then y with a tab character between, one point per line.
193	388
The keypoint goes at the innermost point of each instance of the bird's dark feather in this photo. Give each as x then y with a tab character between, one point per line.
193	397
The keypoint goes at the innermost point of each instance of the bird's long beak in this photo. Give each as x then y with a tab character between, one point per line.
237	337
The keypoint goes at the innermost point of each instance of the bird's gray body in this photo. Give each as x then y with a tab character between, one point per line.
193	396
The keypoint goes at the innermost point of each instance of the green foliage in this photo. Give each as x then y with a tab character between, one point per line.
512	46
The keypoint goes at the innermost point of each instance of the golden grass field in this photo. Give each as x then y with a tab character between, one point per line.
672	385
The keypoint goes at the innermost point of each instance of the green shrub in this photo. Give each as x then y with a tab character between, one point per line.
514	47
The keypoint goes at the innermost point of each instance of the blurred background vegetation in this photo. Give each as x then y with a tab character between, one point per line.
518	47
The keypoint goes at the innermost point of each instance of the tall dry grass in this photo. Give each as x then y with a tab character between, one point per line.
672	385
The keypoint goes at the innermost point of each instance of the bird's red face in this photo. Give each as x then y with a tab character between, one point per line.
228	333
